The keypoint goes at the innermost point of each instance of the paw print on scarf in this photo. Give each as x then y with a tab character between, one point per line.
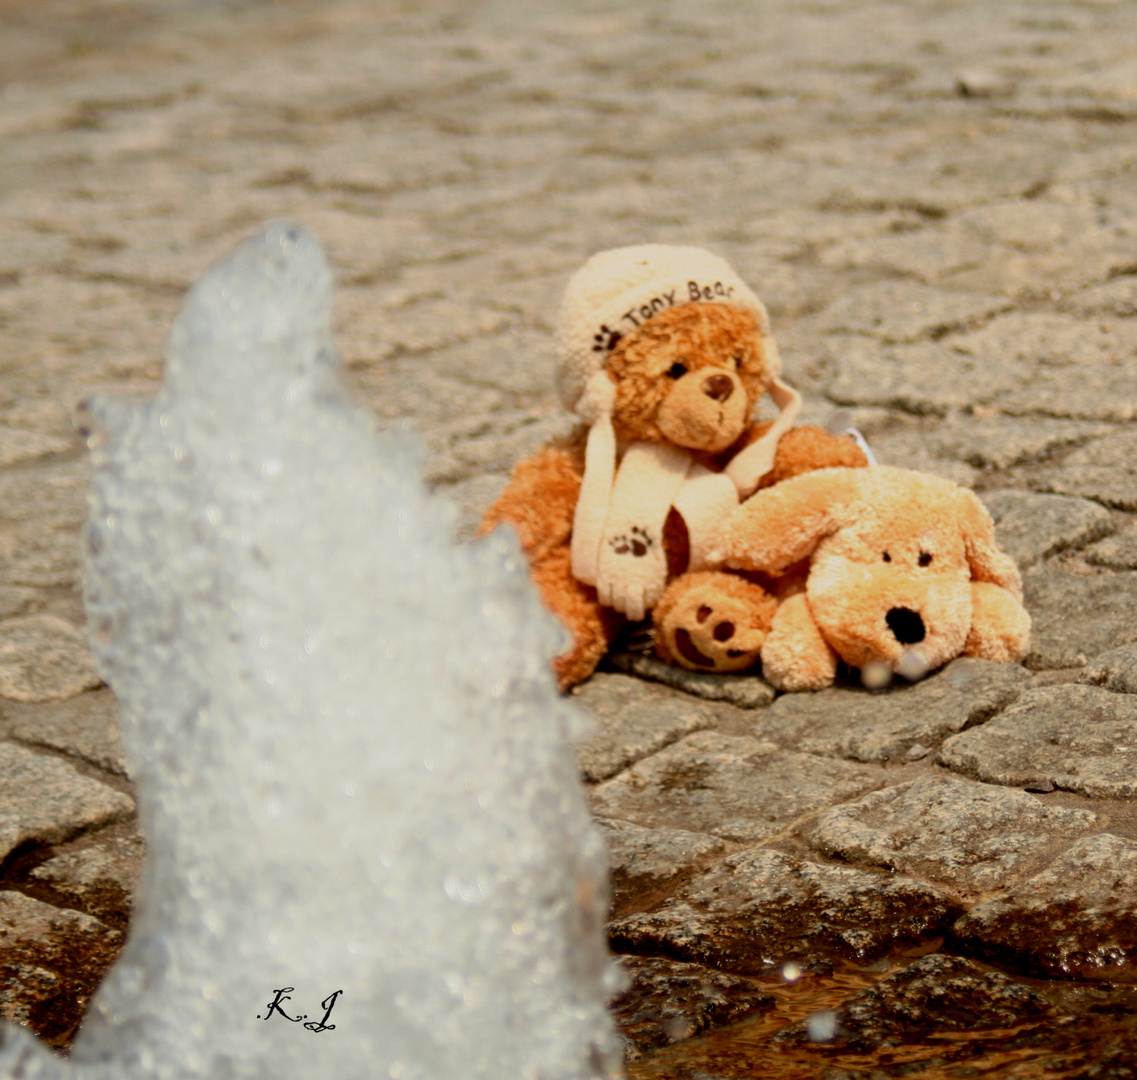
638	543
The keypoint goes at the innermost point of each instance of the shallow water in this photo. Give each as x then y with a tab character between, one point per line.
1092	1022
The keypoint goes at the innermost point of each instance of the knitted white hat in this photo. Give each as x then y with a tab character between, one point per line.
619	290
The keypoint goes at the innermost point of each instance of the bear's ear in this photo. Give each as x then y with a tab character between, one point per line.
781	525
987	562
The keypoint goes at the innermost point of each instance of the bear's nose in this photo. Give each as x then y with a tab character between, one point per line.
906	625
718	387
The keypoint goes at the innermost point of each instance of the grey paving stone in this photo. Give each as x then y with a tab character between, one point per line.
51	960
926	254
480	445
668	1001
40	556
1080	738
642	862
43	658
902	311
1075	920
16	600
634	719
747	691
927	378
1076	616
973	838
20	444
1104	470
998	442
730	786
882	726
759	909
915	450
1077	370
1029	527
99	879
473	497
1114	670
85	727
933	994
1034	224
45	799
1116	298
48	496
1117	552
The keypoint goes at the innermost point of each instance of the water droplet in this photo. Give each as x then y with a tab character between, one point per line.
821	1026
913	665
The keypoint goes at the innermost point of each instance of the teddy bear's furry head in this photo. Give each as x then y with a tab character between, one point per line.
691	375
894	556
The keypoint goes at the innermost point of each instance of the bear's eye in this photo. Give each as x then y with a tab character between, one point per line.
925	558
677	370
886	557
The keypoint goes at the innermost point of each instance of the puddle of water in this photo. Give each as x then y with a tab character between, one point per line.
744	1051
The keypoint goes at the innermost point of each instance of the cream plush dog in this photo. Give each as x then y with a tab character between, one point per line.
903	571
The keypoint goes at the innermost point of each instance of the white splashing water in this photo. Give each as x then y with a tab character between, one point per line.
351	762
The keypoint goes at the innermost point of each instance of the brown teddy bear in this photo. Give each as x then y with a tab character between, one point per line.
903	574
663	354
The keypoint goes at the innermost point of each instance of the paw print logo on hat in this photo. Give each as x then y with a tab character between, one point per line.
606	339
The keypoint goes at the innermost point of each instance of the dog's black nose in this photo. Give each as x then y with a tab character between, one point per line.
718	387
906	625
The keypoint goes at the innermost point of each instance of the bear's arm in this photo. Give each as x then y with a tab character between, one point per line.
540	499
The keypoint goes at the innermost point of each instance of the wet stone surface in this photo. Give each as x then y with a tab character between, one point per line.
974	838
730	786
668	1001
934	994
100	878
51	960
758	910
884	726
1079	738
1075	920
643	861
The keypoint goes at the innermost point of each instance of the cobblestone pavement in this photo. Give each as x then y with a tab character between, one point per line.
937	201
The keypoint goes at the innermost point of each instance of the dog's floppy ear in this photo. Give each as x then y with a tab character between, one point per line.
987	562
781	525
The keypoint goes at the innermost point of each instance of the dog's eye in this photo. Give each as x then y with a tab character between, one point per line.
677	370
886	557
924	559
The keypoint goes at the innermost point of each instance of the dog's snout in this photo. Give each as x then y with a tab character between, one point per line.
718	387
906	625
